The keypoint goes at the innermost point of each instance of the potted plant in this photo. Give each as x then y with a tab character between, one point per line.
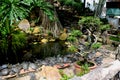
83	66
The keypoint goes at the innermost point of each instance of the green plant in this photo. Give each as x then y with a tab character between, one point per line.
75	4
96	45
46	7
73	35
11	42
117	38
15	10
71	38
72	48
18	40
85	69
76	33
91	23
105	27
64	76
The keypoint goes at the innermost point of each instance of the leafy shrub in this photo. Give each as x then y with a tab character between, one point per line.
92	23
96	45
64	76
72	48
115	38
76	33
75	4
71	38
105	27
18	41
84	69
14	40
73	35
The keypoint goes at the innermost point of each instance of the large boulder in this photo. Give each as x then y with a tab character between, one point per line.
49	73
24	25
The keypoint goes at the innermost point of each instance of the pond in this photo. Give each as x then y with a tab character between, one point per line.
35	51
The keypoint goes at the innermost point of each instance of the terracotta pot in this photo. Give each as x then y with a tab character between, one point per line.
62	66
78	67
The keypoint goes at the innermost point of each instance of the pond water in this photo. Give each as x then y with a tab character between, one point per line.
50	49
35	51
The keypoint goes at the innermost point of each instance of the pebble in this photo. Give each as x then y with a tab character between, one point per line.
4	72
98	60
33	66
25	65
4	66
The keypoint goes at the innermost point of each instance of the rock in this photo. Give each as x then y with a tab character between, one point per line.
25	65
12	72
97	54
91	55
4	66
63	36
44	40
32	24
98	60
24	25
50	73
76	78
32	76
36	30
33	66
5	72
16	69
69	72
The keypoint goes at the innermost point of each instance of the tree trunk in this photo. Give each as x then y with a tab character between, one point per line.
53	26
98	11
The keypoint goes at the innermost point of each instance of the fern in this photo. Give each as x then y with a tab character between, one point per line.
15	10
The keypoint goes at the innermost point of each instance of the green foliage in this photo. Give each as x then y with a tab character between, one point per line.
72	48
14	40
46	7
64	76
18	40
96	45
117	38
76	33
15	10
71	38
75	4
92	23
105	27
85	69
73	35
